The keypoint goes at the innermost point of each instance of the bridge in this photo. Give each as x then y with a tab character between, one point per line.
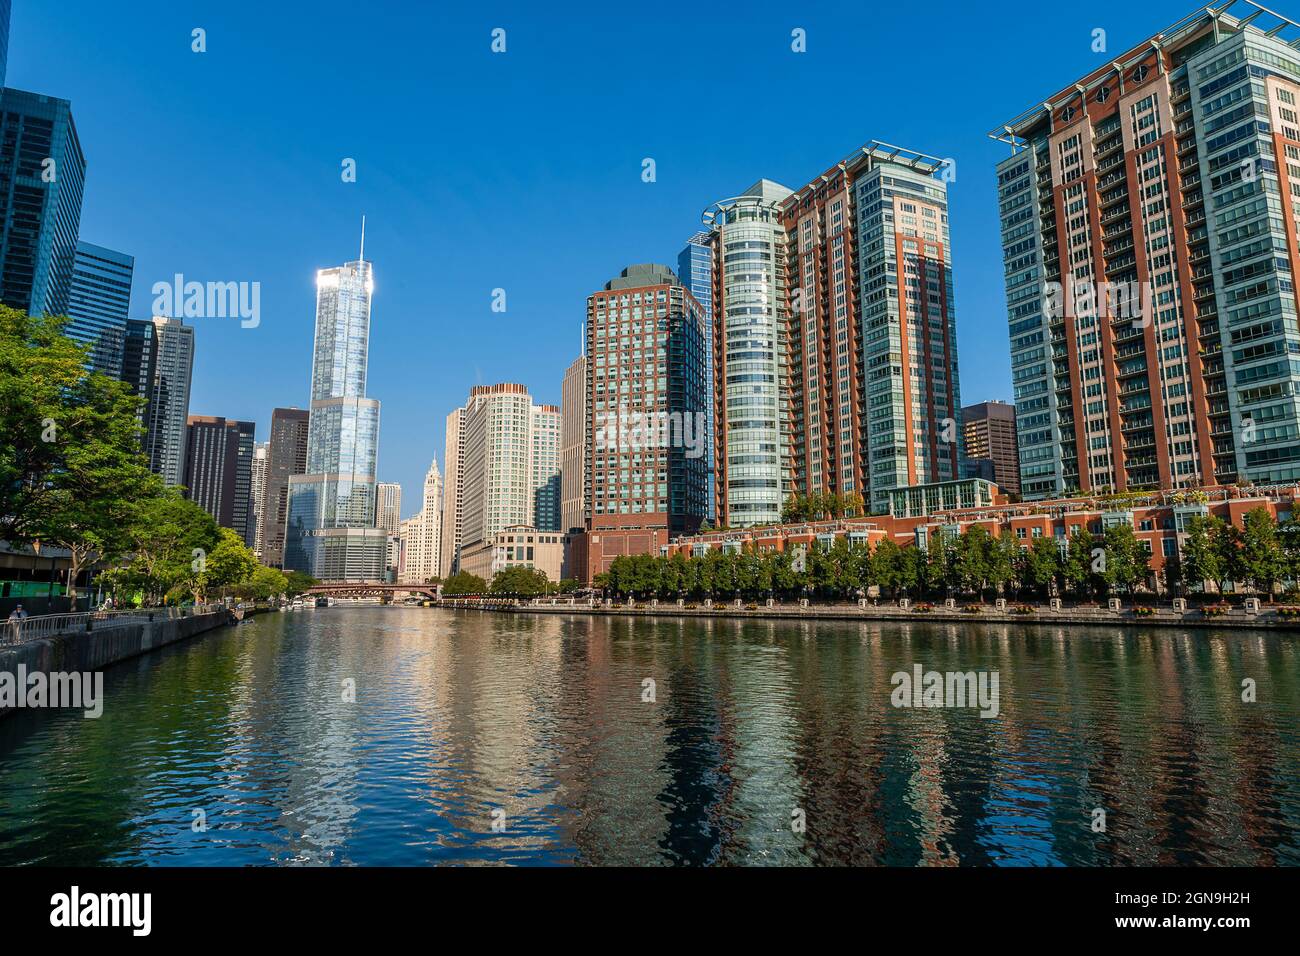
369	589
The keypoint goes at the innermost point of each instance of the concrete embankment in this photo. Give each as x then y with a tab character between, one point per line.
87	652
1265	619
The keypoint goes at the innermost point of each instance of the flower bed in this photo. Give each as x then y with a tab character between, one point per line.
1022	609
1142	610
973	609
1288	611
922	608
1216	610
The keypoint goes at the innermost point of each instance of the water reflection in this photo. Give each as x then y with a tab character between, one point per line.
494	739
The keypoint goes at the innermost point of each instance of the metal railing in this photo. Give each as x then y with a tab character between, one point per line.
38	627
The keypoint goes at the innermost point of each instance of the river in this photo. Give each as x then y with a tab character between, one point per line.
393	736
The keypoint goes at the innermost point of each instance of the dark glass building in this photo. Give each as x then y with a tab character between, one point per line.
219	469
98	302
42	173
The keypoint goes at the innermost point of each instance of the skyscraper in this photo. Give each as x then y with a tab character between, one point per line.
4	40
421	534
286	456
388	506
452	496
257	498
42	173
219	469
573	432
874	398
646	473
990	433
1149	230
503	469
98	301
158	361
545	464
750	357
331	527
695	269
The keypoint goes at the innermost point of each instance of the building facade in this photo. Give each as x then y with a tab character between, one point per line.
695	269
99	298
422	534
749	357
573	432
990	432
1149	230
331	531
545	466
874	397
646	474
1160	522
388	506
286	456
158	362
517	547
42	175
503	469
219	469
452	495
257	498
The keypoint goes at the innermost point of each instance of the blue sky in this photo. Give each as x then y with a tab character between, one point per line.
520	170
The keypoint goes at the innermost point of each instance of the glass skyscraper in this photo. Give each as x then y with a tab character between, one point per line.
695	269
331	531
98	302
42	173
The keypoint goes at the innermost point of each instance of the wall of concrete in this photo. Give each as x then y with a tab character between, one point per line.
89	652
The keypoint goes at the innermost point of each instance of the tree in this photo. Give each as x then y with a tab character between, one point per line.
1126	558
42	372
519	581
462	582
1082	569
1261	560
296	582
888	567
1202	558
1041	564
262	585
226	565
169	540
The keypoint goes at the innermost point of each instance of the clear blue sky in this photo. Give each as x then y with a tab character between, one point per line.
519	170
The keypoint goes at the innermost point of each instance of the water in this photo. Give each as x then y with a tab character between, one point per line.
537	725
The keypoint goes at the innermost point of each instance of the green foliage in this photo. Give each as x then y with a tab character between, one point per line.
519	582
298	581
462	582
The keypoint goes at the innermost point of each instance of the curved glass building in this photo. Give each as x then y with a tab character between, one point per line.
749	355
331	532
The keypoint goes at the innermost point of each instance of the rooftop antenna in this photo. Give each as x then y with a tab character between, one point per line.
363	238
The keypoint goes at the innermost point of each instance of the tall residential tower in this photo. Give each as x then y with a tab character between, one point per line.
1149	230
331	526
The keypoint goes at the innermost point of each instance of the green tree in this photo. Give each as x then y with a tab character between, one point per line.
519	581
462	582
42	375
296	582
1202	559
262	585
1126	558
226	565
1041	564
1261	561
169	540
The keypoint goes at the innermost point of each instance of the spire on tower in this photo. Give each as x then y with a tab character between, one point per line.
363	238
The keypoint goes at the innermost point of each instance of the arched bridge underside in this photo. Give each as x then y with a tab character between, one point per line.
368	590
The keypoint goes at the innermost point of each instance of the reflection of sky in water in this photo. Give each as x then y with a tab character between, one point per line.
541	718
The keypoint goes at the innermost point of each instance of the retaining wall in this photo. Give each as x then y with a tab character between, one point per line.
93	651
